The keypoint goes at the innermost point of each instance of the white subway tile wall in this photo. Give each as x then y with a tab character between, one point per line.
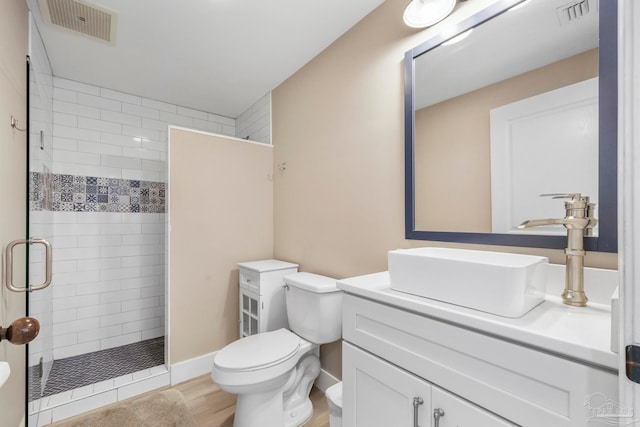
105	133
108	280
255	123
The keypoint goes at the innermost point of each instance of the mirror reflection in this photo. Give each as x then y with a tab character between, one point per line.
480	203
504	115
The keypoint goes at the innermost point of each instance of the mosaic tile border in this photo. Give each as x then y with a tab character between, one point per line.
75	193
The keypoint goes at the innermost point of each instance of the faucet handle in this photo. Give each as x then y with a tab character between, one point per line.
577	200
572	196
576	207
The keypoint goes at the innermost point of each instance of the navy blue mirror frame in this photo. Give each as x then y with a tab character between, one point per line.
607	240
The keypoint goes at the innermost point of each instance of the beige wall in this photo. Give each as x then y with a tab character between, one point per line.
13	92
338	126
445	145
220	213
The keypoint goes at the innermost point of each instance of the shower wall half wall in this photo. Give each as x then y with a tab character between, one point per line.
105	193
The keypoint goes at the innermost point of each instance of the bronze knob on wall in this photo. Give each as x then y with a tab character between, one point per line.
21	331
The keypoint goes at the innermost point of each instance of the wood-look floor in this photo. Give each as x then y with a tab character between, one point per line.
212	407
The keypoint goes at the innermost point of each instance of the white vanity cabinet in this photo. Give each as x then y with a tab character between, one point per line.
262	300
395	353
377	393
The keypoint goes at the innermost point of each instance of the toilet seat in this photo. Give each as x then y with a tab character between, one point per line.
258	351
258	358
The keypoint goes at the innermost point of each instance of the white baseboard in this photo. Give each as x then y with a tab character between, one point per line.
192	368
325	380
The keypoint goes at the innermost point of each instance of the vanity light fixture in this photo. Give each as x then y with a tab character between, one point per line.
424	13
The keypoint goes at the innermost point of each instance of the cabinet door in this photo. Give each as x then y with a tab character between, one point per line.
376	393
460	413
249	313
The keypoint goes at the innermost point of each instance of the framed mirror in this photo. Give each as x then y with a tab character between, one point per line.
525	104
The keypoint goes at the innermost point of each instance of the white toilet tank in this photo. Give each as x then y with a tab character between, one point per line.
314	307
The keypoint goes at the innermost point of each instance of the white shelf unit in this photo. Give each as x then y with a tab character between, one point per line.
262	300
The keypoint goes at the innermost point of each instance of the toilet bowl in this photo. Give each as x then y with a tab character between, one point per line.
273	372
334	401
262	368
253	361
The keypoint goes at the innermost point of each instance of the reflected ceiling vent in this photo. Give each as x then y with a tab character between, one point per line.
81	17
574	11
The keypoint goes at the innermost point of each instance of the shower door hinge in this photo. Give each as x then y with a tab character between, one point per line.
632	357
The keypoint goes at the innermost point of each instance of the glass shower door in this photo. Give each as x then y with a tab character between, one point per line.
39	225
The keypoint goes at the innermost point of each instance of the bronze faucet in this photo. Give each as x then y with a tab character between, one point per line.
579	221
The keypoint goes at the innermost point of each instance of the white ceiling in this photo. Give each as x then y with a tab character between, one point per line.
219	56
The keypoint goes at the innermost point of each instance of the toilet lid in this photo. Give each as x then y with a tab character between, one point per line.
258	351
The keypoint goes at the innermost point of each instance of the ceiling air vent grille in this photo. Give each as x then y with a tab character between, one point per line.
573	11
81	17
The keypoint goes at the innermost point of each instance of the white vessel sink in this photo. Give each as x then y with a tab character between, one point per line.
499	283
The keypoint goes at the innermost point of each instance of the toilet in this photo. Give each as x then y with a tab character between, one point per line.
334	402
272	373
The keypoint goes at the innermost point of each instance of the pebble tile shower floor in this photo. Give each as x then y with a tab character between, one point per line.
78	371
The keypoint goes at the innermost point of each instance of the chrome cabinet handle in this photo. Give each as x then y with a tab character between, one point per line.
417	401
437	413
8	265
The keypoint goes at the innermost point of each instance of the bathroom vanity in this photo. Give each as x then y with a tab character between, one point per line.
409	360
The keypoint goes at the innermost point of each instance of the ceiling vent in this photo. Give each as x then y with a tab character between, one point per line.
574	11
81	17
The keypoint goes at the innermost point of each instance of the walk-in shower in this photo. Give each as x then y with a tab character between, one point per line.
97	191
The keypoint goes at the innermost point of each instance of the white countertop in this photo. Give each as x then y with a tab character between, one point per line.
578	333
